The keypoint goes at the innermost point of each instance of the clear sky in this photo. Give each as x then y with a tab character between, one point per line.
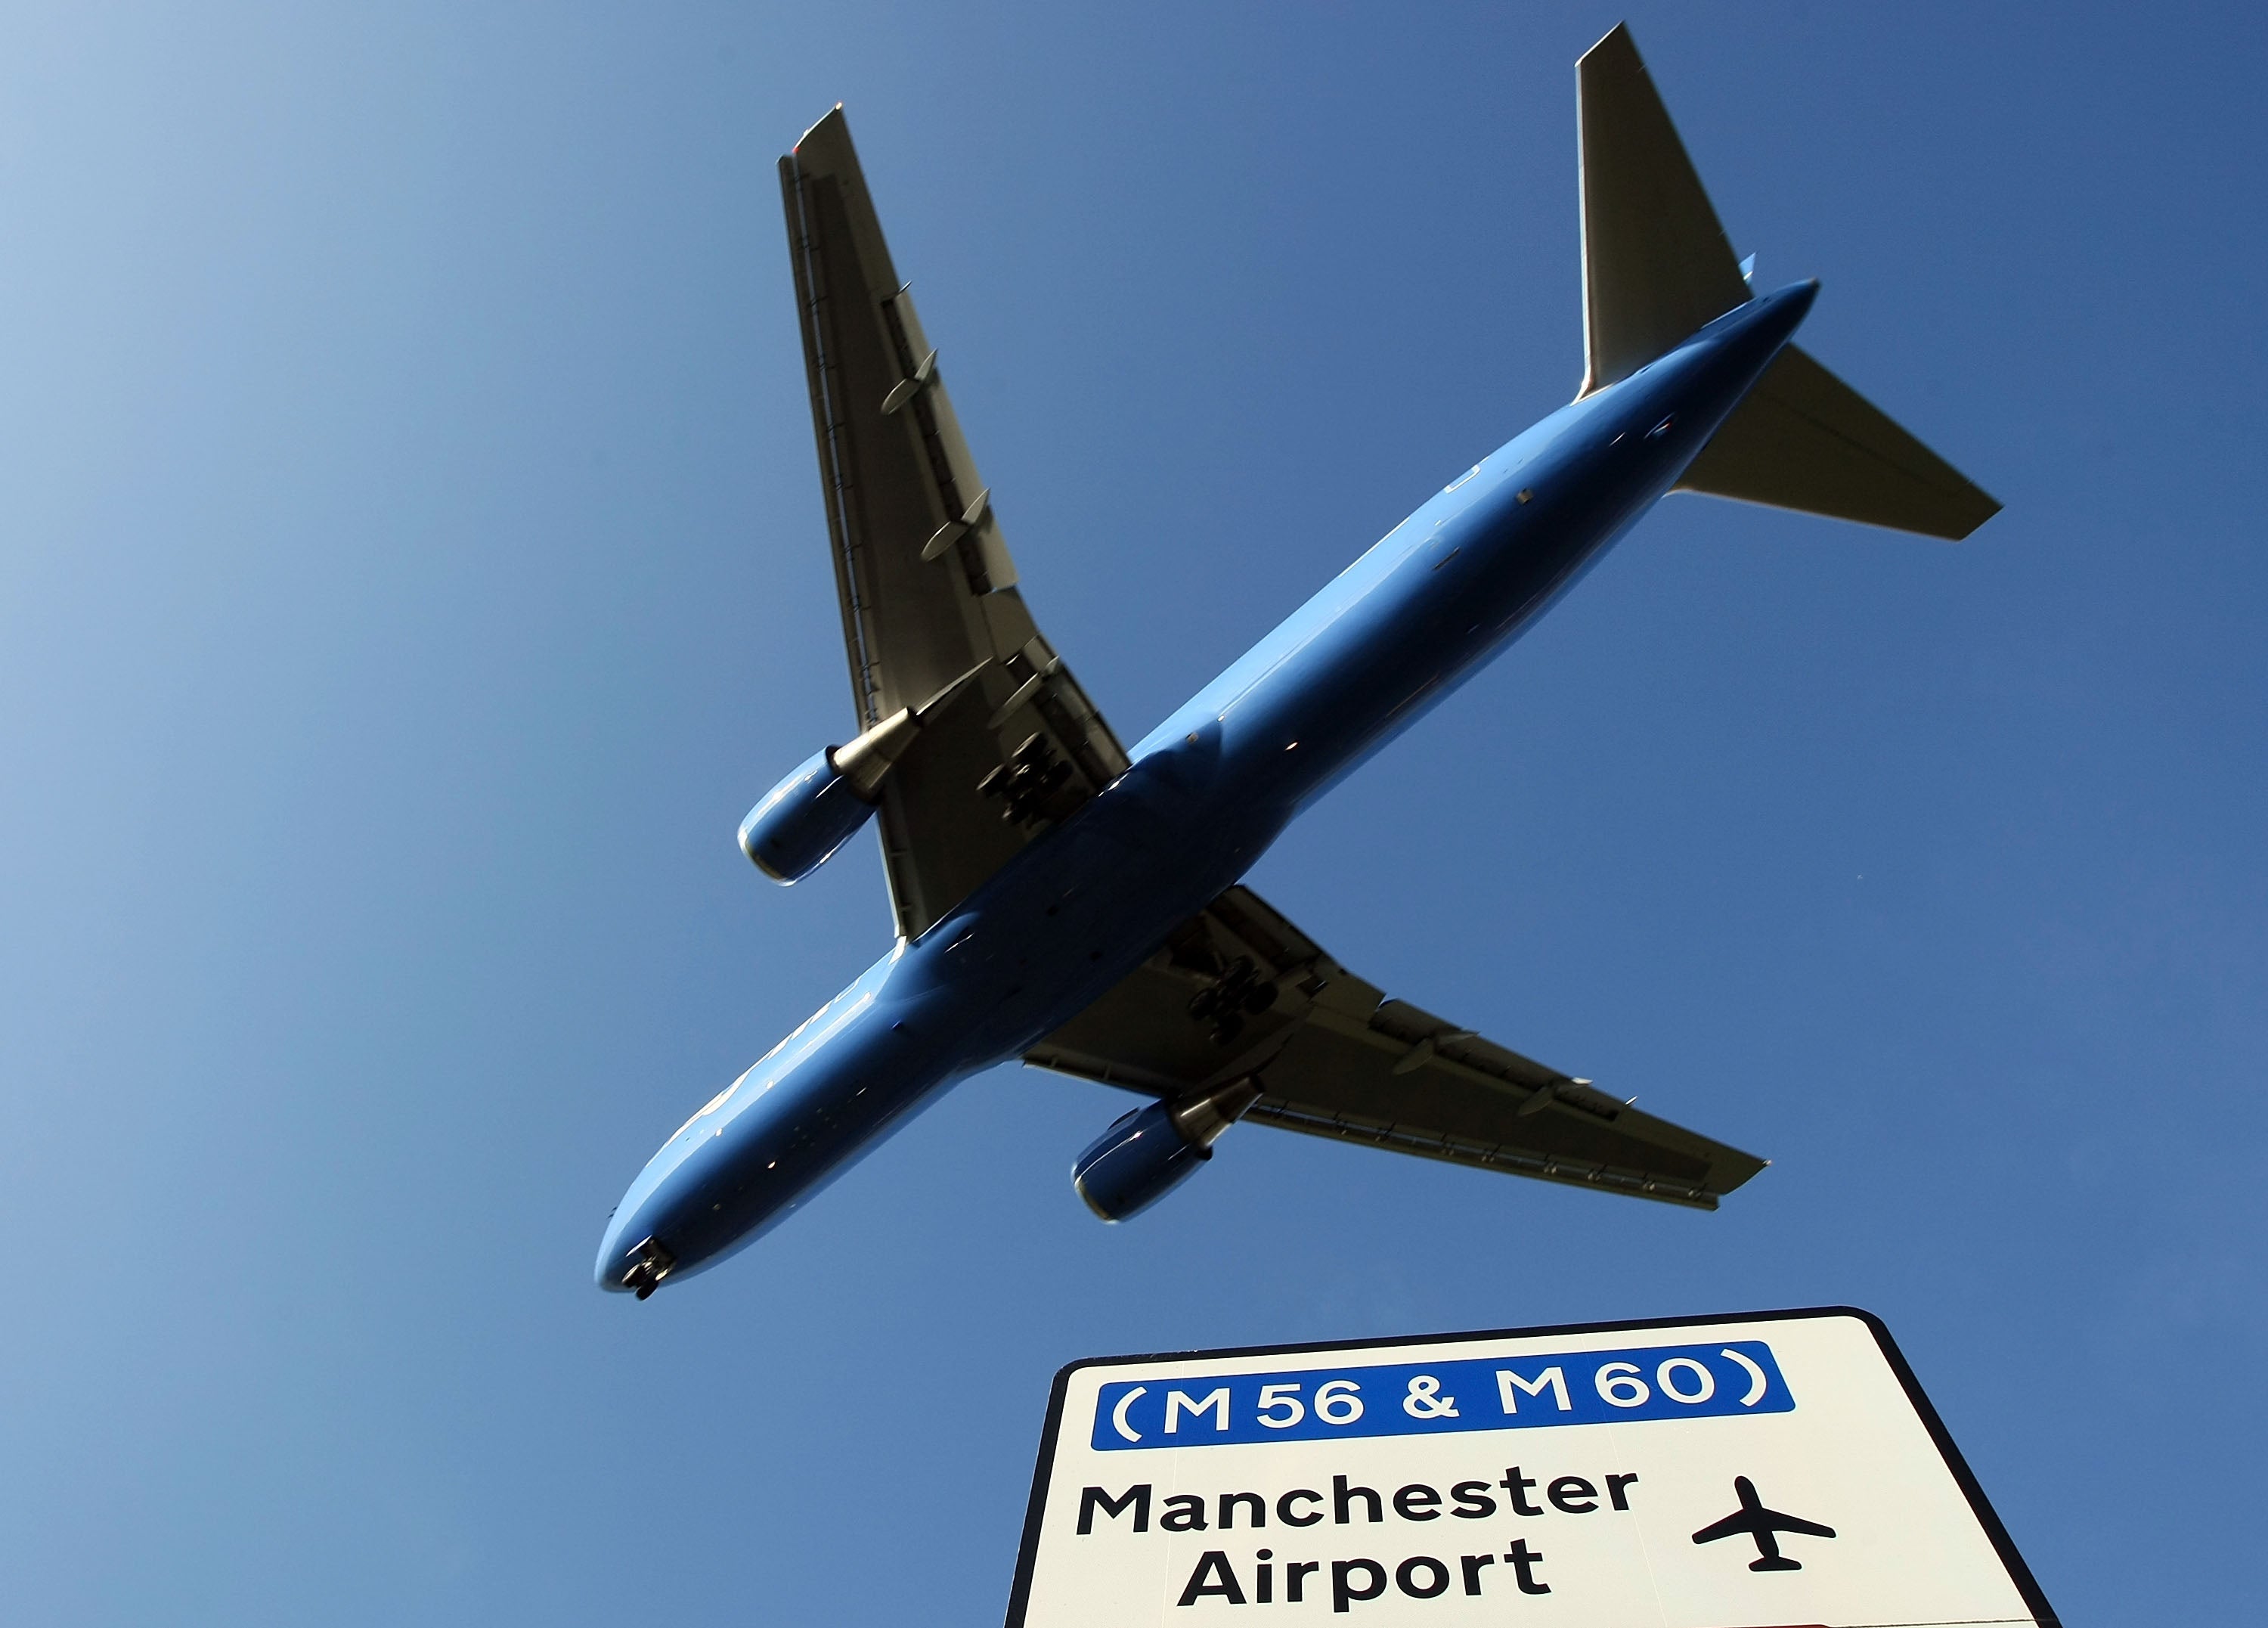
412	565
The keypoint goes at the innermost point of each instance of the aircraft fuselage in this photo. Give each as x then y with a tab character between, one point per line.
1208	791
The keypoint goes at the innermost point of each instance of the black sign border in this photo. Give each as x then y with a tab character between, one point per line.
2019	1573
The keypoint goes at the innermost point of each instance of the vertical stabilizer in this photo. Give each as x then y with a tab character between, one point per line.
1657	266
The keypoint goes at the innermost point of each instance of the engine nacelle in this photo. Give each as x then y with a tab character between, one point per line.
1152	1151
803	820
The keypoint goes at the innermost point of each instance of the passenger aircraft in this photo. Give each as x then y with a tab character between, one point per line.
1065	900
1753	1520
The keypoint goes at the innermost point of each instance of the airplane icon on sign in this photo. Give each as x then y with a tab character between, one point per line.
1753	1520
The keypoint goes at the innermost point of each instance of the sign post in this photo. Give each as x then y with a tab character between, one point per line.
1781	1467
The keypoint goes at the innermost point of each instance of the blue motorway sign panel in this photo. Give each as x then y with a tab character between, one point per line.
1782	1467
1431	1399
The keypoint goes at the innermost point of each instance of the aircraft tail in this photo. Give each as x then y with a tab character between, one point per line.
1658	267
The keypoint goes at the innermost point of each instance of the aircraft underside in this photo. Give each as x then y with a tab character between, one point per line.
1068	901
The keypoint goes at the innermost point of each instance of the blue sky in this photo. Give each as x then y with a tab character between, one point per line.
413	566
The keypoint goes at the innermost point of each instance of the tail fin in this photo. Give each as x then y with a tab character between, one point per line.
1657	267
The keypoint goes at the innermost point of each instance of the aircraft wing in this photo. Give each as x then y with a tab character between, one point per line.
1239	992
1778	1522
927	588
1740	1523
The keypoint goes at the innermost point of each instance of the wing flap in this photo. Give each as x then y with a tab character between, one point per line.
1240	992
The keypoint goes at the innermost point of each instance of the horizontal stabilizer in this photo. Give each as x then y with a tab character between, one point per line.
1804	439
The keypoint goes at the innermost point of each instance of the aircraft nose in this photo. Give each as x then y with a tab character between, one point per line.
646	1238
633	1259
633	1264
615	1260
612	1266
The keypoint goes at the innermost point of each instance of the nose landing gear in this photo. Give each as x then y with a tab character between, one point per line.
652	1265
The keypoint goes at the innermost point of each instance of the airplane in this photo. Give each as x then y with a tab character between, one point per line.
1753	1520
1067	901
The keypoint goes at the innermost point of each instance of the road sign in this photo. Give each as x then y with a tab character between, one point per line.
1781	1467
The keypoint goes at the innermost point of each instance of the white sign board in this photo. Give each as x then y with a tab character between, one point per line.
1776	1469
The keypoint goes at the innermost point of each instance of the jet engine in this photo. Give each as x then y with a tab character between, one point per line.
803	820
1152	1151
